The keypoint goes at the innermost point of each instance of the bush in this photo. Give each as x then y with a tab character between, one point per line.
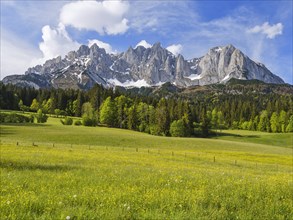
77	123
154	130
32	118
177	129
14	118
41	117
143	127
86	121
67	121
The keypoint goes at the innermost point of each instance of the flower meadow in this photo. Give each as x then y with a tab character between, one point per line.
128	175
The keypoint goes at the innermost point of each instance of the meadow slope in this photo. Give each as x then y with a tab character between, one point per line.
106	173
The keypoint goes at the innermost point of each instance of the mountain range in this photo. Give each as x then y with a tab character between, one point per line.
142	66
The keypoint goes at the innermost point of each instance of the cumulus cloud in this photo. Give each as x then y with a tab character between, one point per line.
16	54
108	48
56	42
175	49
271	31
144	44
106	17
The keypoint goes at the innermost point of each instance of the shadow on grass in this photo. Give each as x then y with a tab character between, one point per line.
6	131
30	166
26	124
223	134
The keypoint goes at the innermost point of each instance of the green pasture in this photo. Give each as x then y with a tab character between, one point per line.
52	171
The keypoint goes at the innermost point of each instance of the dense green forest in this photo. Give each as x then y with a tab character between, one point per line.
166	110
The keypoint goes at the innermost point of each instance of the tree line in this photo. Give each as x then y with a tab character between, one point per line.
177	115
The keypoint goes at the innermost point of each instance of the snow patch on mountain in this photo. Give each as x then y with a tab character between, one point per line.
193	77
129	83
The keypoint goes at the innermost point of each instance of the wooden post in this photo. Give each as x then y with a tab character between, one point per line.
136	149
17	143
214	159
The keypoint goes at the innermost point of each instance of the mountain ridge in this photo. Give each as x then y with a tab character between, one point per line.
140	66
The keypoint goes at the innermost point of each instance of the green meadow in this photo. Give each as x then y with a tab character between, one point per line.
52	171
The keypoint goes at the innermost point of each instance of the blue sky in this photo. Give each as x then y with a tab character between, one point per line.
34	31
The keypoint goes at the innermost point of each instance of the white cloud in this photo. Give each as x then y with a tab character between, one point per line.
271	31
56	42
106	17
160	16
16	54
108	48
175	49
144	44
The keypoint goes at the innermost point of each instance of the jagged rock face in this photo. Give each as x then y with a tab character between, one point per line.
142	67
223	63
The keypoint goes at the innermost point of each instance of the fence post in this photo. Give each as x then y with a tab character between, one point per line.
214	159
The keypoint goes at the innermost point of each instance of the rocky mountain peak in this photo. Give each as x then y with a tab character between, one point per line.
156	46
142	66
83	51
96	49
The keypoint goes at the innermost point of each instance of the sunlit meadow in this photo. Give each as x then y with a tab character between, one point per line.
53	171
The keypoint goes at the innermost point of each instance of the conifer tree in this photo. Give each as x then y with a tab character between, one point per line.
108	112
289	127
263	121
274	121
35	105
283	121
162	117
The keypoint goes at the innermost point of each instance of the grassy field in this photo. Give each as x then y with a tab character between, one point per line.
103	173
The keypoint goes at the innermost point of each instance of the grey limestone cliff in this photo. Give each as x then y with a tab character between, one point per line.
142	67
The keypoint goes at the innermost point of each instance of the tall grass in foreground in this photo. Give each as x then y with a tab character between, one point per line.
101	173
53	183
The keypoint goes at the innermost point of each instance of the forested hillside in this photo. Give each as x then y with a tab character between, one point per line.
166	110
